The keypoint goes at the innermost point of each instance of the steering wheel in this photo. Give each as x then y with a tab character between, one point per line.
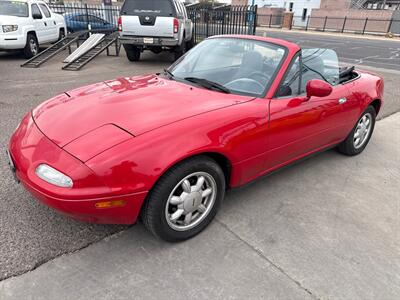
246	85
256	75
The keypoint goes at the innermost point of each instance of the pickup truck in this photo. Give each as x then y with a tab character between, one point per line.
157	25
26	24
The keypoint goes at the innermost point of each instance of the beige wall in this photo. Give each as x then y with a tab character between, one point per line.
335	4
239	2
269	16
378	20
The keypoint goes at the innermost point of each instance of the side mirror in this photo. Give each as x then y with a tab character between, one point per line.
318	88
36	16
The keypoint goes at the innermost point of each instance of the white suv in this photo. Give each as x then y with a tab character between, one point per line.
25	24
155	25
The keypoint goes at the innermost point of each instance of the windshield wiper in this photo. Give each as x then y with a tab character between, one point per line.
169	73
208	84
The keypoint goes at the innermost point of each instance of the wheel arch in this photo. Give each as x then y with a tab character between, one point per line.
32	32
376	104
222	160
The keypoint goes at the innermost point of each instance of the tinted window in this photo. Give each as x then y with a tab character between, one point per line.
45	10
82	18
147	7
11	8
94	19
36	10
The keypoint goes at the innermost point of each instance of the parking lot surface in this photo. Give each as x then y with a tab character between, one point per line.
325	228
364	51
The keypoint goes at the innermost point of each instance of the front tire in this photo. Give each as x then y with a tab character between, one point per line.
359	137
132	52
32	46
185	199
61	35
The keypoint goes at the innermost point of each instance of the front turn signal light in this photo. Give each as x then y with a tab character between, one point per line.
110	204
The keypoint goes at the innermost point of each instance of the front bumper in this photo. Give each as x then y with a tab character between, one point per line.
29	147
11	41
143	41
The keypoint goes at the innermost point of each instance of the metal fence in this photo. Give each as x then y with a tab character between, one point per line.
334	24
207	21
227	20
80	17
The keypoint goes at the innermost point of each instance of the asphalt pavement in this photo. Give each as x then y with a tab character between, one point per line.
328	227
365	51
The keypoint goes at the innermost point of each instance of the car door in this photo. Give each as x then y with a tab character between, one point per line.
298	125
52	33
186	22
39	23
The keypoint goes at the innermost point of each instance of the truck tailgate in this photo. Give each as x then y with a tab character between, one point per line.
160	27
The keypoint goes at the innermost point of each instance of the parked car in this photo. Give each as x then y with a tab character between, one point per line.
167	146
80	21
156	25
26	24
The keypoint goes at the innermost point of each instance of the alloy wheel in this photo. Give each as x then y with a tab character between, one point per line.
362	131
190	201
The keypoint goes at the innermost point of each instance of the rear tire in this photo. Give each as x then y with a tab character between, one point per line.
169	195
180	50
190	44
132	52
31	47
359	137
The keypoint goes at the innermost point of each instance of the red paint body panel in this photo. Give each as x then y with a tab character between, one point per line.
116	139
137	104
96	141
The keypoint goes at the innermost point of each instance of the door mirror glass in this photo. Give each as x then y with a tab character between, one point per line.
318	88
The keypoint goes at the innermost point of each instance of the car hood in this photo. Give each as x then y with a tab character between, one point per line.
135	105
10	20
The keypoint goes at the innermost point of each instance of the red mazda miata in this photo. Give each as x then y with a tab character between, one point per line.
167	146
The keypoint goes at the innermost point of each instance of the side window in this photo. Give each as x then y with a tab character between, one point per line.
178	8
80	19
290	84
45	10
320	64
93	19
184	10
35	10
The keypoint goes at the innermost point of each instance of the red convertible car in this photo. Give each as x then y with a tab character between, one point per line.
166	147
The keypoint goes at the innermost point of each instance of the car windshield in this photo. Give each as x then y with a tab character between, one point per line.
241	66
13	8
146	7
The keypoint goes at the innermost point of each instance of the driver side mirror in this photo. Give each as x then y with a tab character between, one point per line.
36	16
318	88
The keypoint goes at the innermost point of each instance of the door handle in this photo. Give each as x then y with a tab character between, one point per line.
342	100
45	24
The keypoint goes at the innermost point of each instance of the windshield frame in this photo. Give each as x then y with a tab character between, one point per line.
19	3
235	92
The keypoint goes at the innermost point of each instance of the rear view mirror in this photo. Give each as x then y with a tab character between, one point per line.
318	88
